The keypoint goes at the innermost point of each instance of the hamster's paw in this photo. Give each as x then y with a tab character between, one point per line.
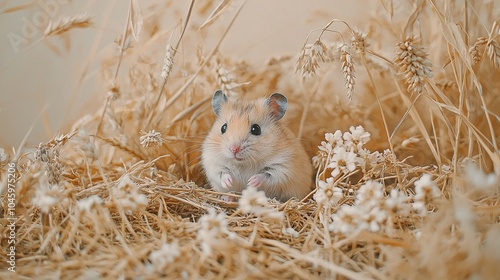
256	180
226	181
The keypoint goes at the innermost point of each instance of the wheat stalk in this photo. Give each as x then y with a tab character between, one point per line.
65	24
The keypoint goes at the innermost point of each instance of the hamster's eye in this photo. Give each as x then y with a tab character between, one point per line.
223	128
255	130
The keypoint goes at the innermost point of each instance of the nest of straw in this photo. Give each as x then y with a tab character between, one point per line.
406	172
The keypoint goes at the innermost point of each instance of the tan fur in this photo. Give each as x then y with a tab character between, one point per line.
277	153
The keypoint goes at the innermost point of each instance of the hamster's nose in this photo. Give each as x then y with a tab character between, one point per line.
235	149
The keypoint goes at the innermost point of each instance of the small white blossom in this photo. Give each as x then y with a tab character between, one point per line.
213	226
327	194
164	256
151	138
45	198
254	201
356	138
127	195
290	231
425	192
369	158
88	203
342	161
426	189
479	179
345	220
396	202
370	194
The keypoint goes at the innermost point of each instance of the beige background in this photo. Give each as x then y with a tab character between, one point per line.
34	77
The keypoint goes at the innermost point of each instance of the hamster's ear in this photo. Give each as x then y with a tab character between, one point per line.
218	99
278	104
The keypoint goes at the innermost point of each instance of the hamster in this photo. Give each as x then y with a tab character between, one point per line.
249	147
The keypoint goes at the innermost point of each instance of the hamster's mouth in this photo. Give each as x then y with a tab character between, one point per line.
238	158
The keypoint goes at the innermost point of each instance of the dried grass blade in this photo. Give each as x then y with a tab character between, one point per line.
219	10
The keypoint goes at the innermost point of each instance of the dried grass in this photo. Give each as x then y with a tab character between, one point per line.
122	195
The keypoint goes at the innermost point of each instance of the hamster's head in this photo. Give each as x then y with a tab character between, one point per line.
246	131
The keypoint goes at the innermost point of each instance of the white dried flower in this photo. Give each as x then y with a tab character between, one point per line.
327	194
356	138
87	204
151	138
164	256
396	202
213	227
370	194
345	220
342	161
372	219
335	138
255	202
425	192
213	224
479	179
369	158
290	231
426	189
126	194
46	197
326	148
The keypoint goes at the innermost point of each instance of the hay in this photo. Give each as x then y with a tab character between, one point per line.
122	194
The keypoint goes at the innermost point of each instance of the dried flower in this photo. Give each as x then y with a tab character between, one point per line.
47	196
126	194
425	192
348	69
370	194
342	161
327	194
396	202
345	220
88	203
413	65
479	179
254	201
356	138
151	138
213	227
164	256
290	231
